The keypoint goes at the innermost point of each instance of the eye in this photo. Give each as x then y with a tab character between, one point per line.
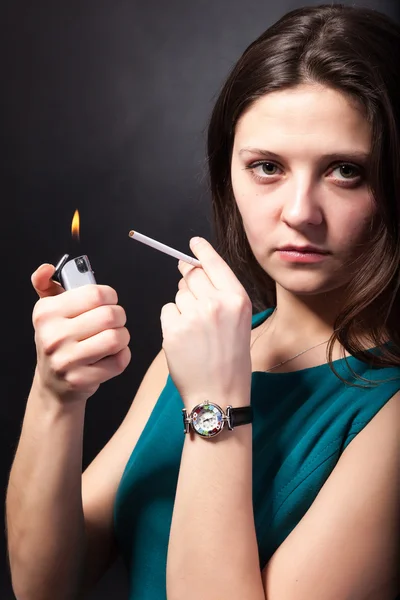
347	172
263	169
268	168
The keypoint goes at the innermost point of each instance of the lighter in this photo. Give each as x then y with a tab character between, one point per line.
73	273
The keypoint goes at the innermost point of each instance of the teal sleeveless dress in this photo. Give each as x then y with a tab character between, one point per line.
303	421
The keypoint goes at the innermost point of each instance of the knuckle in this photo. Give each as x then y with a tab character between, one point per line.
122	315
74	380
241	302
99	295
94	295
113	340
110	294
59	366
41	312
122	360
246	306
127	335
178	295
213	306
48	345
123	337
171	334
165	312
109	314
50	340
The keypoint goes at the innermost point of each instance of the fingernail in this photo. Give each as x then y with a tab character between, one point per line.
195	240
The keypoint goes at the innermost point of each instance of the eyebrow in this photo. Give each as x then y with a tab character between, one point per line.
332	156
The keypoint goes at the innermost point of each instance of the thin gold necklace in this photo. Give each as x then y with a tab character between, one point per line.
283	362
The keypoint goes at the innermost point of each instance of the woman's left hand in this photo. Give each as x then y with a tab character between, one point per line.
207	332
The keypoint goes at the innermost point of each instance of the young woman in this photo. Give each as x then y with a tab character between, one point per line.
300	499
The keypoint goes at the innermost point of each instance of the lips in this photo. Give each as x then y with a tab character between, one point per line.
303	249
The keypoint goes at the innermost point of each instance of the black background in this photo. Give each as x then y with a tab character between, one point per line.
104	108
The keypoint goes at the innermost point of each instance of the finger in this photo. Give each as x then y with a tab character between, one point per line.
90	351
169	316
106	343
111	365
101	318
185	301
182	285
77	301
219	273
101	371
42	282
196	280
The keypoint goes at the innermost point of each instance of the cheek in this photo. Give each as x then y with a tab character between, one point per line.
251	204
353	225
258	223
259	217
256	220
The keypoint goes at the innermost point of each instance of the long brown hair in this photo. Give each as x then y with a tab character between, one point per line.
357	52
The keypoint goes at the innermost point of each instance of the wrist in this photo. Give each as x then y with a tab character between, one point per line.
209	419
48	401
236	399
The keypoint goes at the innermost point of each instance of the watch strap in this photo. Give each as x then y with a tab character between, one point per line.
241	416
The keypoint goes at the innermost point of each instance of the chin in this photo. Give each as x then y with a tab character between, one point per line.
307	283
316	291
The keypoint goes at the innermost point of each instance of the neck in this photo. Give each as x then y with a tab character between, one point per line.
312	317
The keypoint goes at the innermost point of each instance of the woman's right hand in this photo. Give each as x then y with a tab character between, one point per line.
80	335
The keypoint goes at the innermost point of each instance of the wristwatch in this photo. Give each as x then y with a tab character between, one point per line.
208	419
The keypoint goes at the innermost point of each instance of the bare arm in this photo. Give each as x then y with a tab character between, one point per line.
348	543
347	546
59	523
45	522
101	479
81	341
68	523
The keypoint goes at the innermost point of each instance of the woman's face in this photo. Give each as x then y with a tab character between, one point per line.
299	174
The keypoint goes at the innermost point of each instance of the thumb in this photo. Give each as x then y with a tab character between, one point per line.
42	282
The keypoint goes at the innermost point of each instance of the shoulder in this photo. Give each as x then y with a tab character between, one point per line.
347	544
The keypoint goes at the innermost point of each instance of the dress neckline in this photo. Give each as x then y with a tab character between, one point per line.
260	317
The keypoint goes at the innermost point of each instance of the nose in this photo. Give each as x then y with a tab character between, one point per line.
301	207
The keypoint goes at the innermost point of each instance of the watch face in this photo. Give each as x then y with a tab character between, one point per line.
207	419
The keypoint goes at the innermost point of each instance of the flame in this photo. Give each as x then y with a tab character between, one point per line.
75	225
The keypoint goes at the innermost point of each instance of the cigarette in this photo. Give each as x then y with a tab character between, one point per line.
163	248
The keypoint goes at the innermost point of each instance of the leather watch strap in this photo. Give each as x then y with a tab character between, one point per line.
241	416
